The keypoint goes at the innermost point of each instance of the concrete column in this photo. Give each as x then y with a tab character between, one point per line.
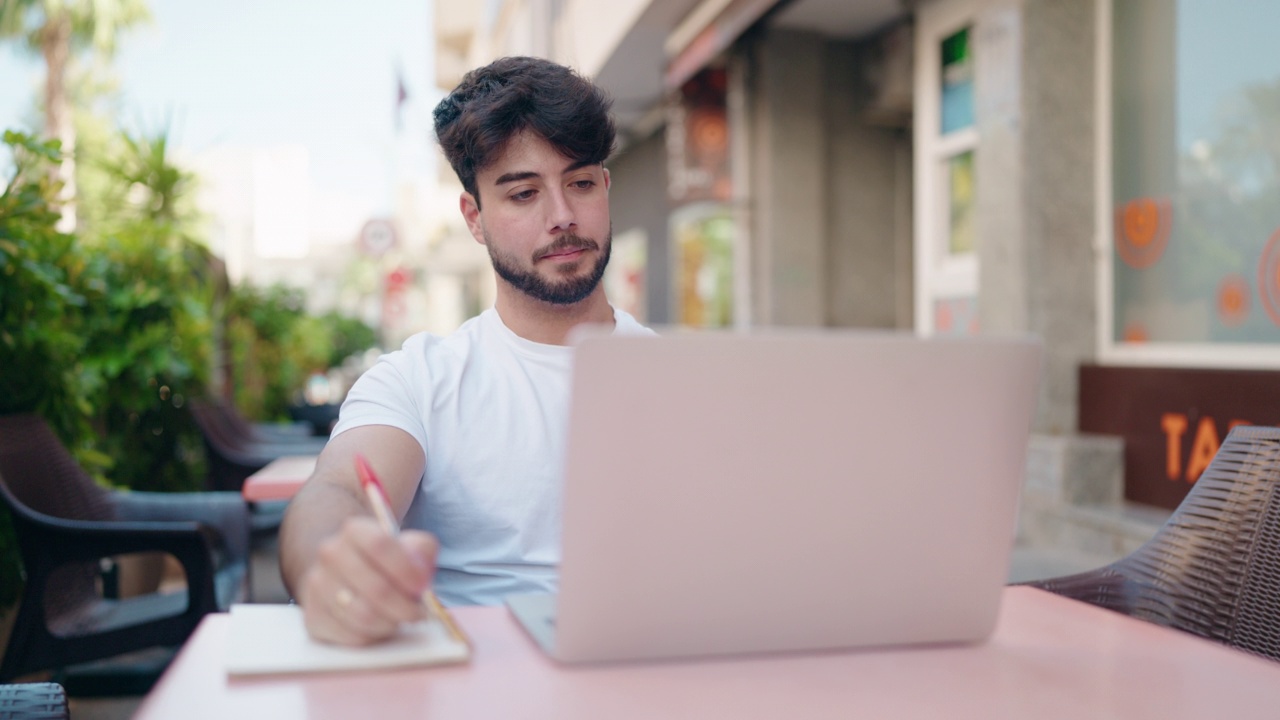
639	200
869	268
1035	176
789	277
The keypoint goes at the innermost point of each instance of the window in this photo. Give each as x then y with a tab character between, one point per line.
1195	178
947	143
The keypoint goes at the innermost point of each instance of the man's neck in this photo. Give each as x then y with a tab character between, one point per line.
547	323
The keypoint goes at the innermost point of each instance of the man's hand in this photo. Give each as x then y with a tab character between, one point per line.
364	582
356	582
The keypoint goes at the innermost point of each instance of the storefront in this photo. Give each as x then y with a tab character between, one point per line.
1183	257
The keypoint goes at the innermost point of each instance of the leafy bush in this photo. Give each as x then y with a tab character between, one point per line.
274	347
39	349
148	324
108	332
39	271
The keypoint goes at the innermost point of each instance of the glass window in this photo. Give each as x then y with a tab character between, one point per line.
703	234
955	317
957	82
961	203
1196	171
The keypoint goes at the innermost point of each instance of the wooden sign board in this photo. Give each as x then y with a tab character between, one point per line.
1172	420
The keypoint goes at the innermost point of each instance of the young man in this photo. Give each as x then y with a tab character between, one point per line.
467	431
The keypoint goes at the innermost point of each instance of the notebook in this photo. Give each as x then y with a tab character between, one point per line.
804	490
272	639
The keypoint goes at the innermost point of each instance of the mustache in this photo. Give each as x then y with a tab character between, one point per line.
565	243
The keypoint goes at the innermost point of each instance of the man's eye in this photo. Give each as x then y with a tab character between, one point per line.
584	184
522	195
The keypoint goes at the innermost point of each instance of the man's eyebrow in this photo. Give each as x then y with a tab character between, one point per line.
515	177
529	174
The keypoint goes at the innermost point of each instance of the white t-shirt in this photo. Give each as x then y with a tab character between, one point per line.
490	410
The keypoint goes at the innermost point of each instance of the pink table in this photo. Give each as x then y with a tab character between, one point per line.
280	479
1050	658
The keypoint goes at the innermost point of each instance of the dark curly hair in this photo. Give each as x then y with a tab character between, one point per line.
497	101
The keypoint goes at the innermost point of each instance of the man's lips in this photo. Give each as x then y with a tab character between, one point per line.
564	254
566	249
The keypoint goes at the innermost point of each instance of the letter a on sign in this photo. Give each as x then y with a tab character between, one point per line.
1203	449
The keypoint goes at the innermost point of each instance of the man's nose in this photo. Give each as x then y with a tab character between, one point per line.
560	217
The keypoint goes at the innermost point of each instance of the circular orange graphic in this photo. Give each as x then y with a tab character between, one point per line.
1233	300
709	131
1142	231
1136	333
1141	220
1269	278
943	320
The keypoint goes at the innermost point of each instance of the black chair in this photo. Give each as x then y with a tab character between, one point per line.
234	455
264	433
320	418
33	701
66	524
1213	569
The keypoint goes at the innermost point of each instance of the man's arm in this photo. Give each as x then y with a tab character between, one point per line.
356	583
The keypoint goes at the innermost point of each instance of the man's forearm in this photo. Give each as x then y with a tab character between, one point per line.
315	513
333	494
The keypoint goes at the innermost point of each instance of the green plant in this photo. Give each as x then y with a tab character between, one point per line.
275	346
347	336
40	268
148	324
38	346
59	30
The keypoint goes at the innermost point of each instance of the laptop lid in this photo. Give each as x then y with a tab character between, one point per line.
729	493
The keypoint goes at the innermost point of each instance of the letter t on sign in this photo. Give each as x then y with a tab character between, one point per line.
1174	426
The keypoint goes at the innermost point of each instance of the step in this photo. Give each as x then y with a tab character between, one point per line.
1104	532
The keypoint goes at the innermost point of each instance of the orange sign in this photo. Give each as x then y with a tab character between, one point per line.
1233	300
1172	420
1142	231
1203	447
1136	333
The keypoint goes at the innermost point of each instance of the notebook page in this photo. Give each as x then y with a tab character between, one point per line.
269	639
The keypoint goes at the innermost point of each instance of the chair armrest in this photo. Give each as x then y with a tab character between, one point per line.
48	542
225	512
259	455
284	446
270	432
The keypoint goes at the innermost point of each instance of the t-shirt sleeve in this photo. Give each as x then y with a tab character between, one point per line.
389	393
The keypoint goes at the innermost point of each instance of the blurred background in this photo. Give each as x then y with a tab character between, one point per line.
243	200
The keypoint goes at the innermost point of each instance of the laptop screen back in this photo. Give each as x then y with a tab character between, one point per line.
737	493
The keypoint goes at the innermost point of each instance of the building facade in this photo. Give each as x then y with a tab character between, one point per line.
1098	173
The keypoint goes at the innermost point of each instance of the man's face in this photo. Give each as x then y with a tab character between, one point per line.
545	220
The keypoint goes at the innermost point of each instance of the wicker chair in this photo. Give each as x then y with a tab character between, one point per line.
1213	569
33	701
66	524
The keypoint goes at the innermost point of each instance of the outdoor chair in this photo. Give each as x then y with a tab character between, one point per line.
66	524
232	456
320	418
33	701
262	433
1213	569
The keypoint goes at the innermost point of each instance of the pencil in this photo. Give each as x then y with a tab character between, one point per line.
381	505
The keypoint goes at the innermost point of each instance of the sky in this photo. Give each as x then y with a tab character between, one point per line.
1219	53
259	73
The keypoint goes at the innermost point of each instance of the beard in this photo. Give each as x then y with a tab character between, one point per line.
572	289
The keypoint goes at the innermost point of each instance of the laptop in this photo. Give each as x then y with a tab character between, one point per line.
794	490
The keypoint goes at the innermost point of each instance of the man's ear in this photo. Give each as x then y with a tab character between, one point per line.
471	214
608	181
